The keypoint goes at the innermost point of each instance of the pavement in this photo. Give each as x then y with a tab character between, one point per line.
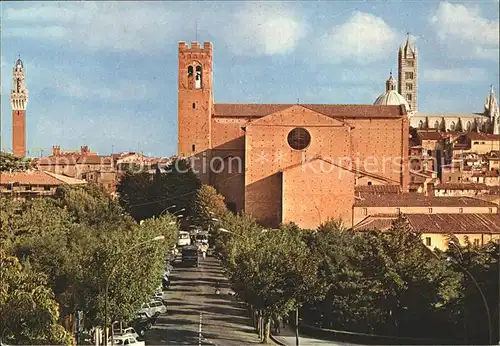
286	337
196	315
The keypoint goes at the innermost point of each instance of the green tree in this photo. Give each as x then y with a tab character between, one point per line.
144	195
209	205
29	312
9	162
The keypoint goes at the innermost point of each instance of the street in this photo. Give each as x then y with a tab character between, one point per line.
196	315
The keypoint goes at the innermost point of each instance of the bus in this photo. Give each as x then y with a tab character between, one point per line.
184	239
190	255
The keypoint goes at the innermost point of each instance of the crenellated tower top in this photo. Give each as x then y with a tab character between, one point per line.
19	93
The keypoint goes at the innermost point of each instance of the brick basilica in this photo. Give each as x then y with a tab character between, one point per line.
286	162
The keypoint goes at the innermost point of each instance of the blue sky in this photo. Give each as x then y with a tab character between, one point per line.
105	74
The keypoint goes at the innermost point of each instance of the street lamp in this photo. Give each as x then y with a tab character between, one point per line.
486	307
119	255
167	208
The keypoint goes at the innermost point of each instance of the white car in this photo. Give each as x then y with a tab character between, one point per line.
127	332
153	308
127	340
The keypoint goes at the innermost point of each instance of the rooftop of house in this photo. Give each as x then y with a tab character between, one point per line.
482	136
437	223
377	189
464	186
331	110
37	178
418	200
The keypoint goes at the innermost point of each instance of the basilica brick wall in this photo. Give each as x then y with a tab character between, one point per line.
268	153
249	160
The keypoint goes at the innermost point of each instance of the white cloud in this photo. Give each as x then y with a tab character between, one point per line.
110	26
454	75
264	29
364	38
464	30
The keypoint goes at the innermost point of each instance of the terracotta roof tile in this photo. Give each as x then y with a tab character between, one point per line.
378	189
29	178
334	111
437	223
430	135
419	200
465	186
377	222
455	223
482	136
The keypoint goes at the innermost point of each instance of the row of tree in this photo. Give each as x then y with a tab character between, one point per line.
58	254
380	283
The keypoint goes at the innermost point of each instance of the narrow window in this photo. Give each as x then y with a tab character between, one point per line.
194	105
408	97
198	77
428	241
490	210
408	75
411	63
27	188
193	147
46	188
430	210
398	210
476	242
365	211
190	71
409	86
460	210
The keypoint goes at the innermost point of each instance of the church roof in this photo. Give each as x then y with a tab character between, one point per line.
391	98
334	111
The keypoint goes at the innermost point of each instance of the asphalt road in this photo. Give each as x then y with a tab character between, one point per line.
196	315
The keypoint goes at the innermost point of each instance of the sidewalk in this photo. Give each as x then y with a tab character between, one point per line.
286	337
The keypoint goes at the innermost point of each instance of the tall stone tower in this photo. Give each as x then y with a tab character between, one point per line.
19	101
408	73
195	104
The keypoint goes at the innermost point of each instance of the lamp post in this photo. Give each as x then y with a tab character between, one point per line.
485	302
119	256
167	208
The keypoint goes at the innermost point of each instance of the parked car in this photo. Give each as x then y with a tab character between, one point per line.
153	308
144	320
127	340
127	331
160	299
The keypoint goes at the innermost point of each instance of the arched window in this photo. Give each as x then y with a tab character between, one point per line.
420	124
190	77
452	126
197	83
436	125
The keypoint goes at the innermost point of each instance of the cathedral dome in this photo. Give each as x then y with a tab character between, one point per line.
392	98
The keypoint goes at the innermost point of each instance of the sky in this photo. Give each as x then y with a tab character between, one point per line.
104	74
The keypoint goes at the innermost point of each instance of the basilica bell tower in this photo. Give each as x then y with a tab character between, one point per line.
18	101
408	73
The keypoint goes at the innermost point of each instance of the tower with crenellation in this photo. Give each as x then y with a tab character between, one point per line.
195	92
19	101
